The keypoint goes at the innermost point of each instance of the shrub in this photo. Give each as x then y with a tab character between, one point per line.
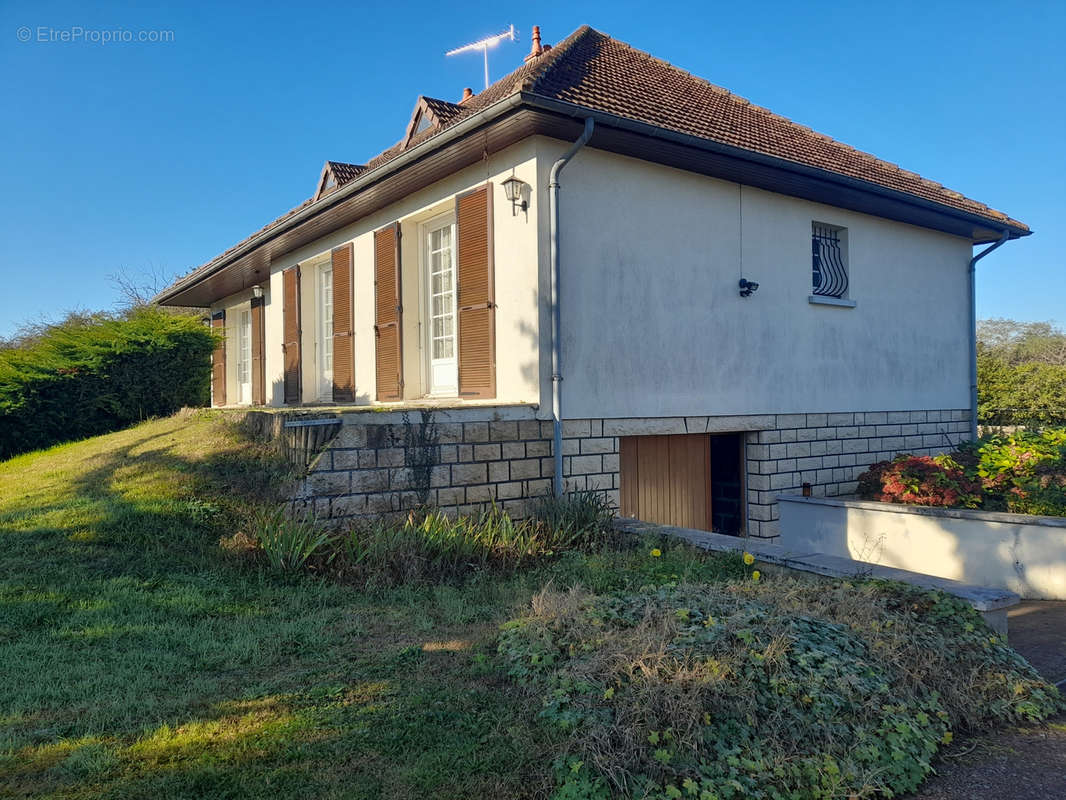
788	689
91	375
287	542
1024	472
920	480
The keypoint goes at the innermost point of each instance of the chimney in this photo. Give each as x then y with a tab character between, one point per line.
537	49
467	94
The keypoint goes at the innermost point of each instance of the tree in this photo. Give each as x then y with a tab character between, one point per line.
1021	373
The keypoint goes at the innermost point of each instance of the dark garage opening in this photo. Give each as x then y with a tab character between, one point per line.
727	484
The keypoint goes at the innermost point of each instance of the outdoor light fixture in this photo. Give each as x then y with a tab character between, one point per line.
257	291
513	188
747	288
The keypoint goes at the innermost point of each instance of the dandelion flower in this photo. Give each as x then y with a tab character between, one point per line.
755	575
656	552
749	559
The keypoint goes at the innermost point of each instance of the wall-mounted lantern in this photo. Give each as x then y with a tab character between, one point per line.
515	191
257	291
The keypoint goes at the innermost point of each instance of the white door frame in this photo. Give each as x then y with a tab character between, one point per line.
244	357
430	366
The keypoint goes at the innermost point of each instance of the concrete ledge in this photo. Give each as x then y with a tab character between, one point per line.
986	600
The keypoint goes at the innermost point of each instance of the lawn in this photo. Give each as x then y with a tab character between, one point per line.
139	659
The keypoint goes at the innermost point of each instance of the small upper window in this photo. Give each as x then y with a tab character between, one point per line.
829	260
423	124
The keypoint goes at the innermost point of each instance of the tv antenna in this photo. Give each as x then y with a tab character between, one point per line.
483	45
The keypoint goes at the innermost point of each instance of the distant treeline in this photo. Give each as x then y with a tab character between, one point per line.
1021	373
94	373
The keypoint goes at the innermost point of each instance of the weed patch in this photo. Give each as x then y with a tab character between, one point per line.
778	689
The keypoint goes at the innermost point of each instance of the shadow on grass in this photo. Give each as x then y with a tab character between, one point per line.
135	661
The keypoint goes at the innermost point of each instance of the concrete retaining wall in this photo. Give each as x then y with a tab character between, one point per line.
1024	554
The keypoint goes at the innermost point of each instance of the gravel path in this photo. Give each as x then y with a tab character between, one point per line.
1022	763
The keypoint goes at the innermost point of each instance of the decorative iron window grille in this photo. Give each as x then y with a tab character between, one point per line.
829	276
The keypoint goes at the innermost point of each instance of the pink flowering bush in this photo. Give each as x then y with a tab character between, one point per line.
1024	472
920	481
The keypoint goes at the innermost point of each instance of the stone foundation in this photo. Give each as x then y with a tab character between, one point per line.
459	459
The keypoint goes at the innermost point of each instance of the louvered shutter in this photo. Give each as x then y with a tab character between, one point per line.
477	293
290	340
218	360
343	331
388	314
258	345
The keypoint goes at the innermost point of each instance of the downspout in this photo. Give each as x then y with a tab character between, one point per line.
973	330
557	370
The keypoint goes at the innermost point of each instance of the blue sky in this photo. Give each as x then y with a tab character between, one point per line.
158	156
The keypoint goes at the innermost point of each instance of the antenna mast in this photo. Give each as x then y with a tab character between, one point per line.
483	45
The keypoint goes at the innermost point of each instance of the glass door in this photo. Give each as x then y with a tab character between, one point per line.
244	359
325	333
440	268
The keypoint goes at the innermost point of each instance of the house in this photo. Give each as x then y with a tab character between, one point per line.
605	272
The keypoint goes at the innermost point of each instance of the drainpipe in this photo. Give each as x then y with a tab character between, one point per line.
557	370
973	330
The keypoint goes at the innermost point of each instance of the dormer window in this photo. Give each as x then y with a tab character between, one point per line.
423	124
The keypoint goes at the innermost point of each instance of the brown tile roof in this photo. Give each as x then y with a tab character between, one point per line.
444	111
343	172
604	74
592	70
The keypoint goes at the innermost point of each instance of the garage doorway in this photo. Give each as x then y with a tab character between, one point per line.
687	480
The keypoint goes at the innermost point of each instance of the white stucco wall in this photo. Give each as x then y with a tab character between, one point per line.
653	324
516	266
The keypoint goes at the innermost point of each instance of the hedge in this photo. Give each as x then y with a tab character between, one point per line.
90	376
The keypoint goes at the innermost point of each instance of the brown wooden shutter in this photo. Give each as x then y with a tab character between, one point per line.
388	313
343	330
258	346
218	360
290	337
477	293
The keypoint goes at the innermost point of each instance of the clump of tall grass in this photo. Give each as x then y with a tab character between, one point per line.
578	518
431	546
287	542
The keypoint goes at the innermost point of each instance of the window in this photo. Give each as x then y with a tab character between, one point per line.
829	261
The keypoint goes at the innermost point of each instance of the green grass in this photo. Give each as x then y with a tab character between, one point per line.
138	659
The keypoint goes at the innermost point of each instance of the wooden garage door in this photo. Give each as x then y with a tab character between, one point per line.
667	479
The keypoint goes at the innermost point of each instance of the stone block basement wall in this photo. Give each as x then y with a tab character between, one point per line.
460	459
830	452
455	459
